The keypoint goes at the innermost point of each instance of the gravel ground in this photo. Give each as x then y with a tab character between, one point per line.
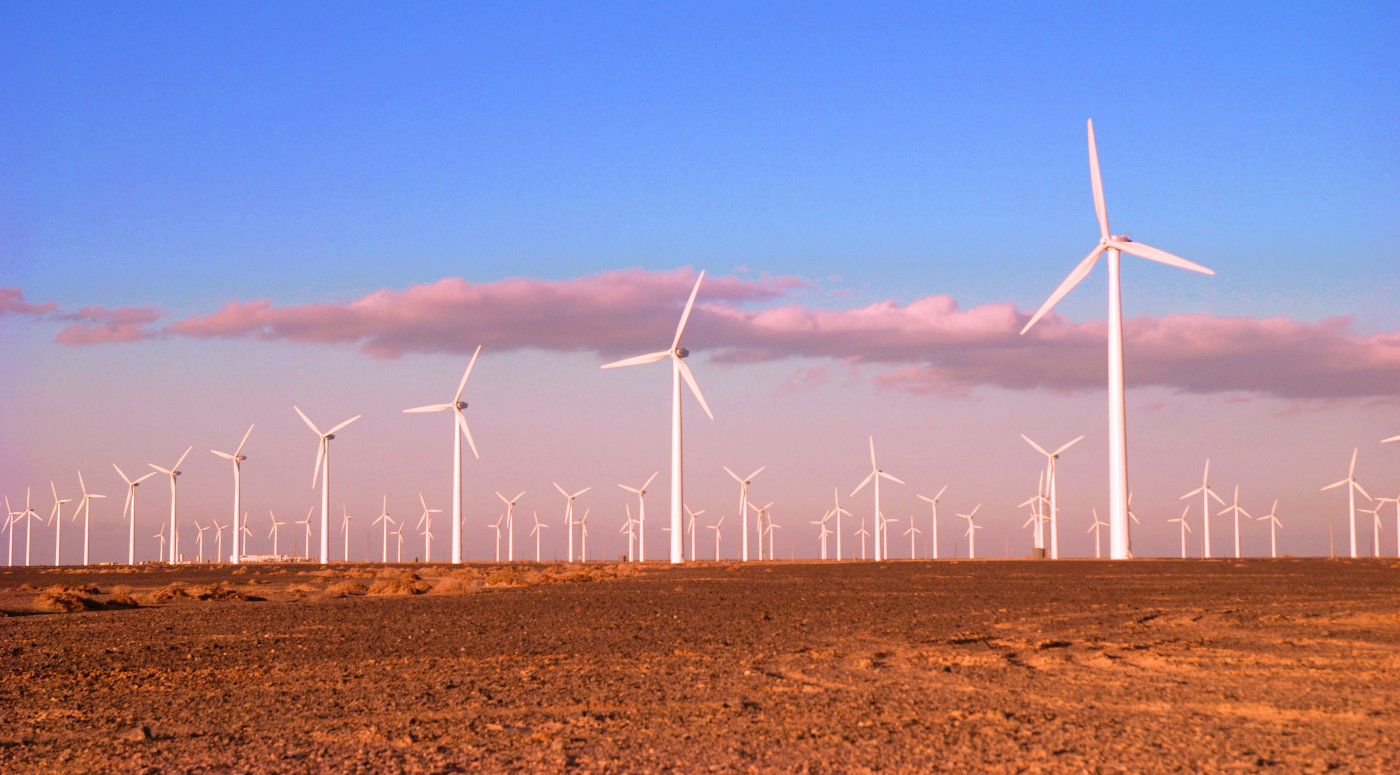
985	666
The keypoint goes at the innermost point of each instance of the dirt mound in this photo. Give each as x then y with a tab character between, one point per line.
67	600
456	585
346	588
406	583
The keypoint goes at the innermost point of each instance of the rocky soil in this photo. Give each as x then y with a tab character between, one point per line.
987	666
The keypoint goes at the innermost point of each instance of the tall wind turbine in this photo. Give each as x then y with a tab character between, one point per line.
972	528
933	503
875	476
1051	485
497	526
130	506
569	512
679	371
912	532
56	519
1112	245
383	519
323	470
1097	529
273	533
85	506
171	472
425	523
1274	525
345	529
237	457
837	511
459	422
510	524
744	508
641	493
1353	487
1235	507
537	531
1375	512
1206	494
690	529
1185	528
715	527
306	523
863	533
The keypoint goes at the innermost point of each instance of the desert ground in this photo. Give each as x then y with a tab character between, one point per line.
958	666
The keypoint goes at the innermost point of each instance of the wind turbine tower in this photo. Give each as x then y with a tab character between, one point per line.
459	423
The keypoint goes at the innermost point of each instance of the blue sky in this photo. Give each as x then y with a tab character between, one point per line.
181	156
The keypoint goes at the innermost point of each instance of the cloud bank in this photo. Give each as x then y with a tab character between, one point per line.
930	345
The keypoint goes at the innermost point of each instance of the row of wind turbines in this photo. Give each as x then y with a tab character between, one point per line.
1045	512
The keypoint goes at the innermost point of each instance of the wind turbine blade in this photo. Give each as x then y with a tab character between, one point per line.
733	475
873	464
1217	498
1362	490
1097	181
1334	485
462	424
307	420
461	386
1389	440
756	473
584	490
633	490
246	434
428	408
637	360
649	479
165	471
1196	491
333	431
1079	273
1037	447
224	455
1160	256
121	473
863	482
892	477
1351	472
176	467
685	315
1067	446
561	490
694	388
143	478
320	455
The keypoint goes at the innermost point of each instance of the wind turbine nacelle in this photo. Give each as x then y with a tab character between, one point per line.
681	352
330	436
239	458
460	405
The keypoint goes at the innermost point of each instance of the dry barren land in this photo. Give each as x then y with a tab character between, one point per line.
987	666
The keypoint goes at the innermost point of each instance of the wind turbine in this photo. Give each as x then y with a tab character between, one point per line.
237	457
911	532
323	471
629	527
642	517
690	528
1206	494
85	506
383	519
1038	517
1235	507
497	526
837	511
1274	525
1185	528
56	519
398	533
537	531
1052	486
1375	513
219	539
1096	529
744	507
30	516
933	504
273	533
1396	501
425	523
583	535
863	533
715	527
130	506
875	476
161	536
171	472
679	371
972	528
345	528
1353	487
822	531
246	533
199	539
510	523
1112	245
569	511
10	515
459	421
761	517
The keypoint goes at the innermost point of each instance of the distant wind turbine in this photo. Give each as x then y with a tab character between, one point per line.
323	471
972	528
1119	544
425	523
641	493
1096	529
744	508
1052	487
273	533
497	526
199	539
569	511
1185	528
129	508
345	529
171	472
1206	494
863	533
679	371
912	532
837	512
385	520
218	539
1353	487
1237	510
237	457
933	504
56	519
690	529
875	476
459	421
85	506
510	523
715	527
1274	525
538	532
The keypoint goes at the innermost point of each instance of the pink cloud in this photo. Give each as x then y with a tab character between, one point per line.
99	325
930	345
12	302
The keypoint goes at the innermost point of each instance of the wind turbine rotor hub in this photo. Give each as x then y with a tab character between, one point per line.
681	352
328	437
460	405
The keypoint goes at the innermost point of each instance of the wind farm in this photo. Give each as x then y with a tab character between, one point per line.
973	531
